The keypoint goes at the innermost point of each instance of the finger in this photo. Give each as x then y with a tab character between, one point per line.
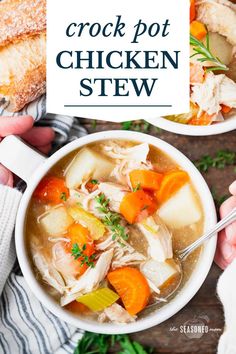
6	177
45	149
39	136
219	258
232	188
225	209
15	125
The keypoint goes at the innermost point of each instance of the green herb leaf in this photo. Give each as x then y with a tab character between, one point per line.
206	55
92	343
94	181
111	219
222	159
137	188
137	125
63	197
78	252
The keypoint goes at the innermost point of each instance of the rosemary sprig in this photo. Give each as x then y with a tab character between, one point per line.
78	252
111	219
206	55
222	159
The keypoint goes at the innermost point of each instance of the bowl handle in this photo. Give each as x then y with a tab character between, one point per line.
19	157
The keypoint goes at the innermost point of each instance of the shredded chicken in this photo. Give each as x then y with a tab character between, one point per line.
90	280
123	255
116	314
219	16
214	91
158	237
114	192
49	273
127	159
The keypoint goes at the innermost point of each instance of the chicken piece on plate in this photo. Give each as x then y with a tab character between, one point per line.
219	16
213	92
90	280
116	314
158	237
115	193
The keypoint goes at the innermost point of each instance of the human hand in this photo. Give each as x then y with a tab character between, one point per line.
226	244
22	126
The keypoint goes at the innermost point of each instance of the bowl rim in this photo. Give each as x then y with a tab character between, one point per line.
194	130
192	285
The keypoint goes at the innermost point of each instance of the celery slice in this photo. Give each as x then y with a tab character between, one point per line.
99	299
95	226
185	117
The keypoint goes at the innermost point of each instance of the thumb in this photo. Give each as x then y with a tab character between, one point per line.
6	177
232	188
15	125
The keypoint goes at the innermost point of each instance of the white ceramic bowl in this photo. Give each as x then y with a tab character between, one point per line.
194	130
29	160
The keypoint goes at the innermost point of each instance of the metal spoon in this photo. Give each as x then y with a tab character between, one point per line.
184	253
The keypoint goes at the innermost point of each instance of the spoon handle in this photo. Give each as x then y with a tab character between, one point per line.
228	219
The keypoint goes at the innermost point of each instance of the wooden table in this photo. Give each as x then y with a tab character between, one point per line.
204	308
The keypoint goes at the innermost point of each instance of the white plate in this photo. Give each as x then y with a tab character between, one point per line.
194	130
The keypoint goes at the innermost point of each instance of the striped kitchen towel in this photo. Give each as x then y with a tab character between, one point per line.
26	326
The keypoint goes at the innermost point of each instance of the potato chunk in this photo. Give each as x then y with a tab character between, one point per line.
181	209
56	221
87	164
160	273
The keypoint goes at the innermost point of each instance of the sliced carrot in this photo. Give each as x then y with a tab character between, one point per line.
51	190
136	206
80	235
132	287
203	119
146	179
197	74
225	109
91	186
198	29
77	307
192	10
171	183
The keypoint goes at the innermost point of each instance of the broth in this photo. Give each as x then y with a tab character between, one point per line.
42	242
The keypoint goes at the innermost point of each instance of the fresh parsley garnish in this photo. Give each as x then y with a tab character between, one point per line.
63	197
94	181
78	252
222	159
111	219
92	343
206	55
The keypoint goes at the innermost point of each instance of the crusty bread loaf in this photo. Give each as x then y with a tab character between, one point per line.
22	52
20	19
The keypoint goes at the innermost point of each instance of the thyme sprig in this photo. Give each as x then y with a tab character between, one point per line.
78	252
111	219
222	159
206	55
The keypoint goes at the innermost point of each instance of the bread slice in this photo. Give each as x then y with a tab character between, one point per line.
22	52
22	72
20	19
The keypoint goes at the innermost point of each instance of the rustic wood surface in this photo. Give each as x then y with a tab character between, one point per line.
204	308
